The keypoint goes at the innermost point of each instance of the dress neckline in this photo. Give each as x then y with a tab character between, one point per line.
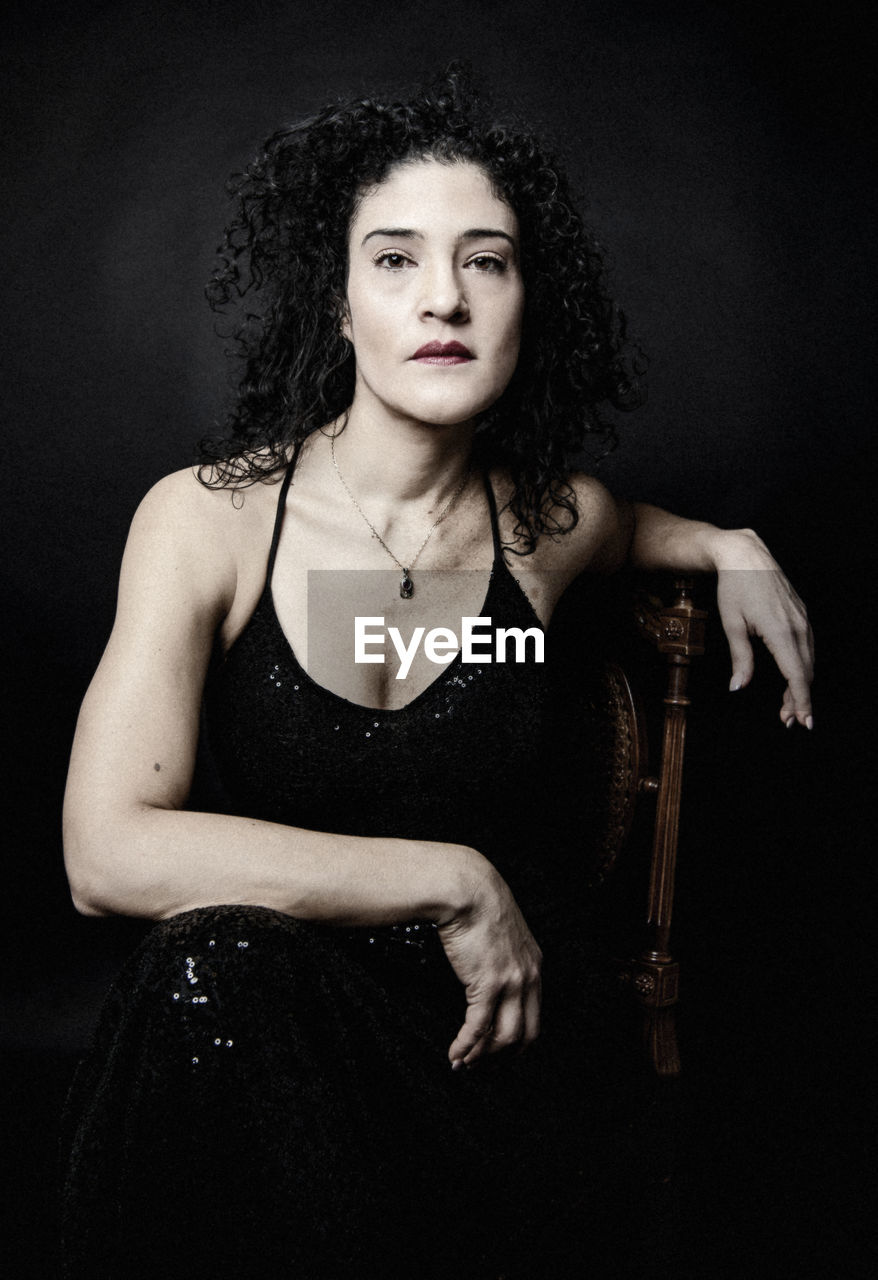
499	570
448	671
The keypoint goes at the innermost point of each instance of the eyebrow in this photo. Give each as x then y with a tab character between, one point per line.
408	233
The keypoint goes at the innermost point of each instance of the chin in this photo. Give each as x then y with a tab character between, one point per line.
440	405
450	411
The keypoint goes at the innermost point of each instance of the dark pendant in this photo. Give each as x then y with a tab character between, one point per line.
406	586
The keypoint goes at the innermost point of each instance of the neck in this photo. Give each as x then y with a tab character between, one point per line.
401	461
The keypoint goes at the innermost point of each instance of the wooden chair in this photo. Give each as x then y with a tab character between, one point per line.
619	742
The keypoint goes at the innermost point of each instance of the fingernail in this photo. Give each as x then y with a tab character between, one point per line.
791	722
735	684
457	1065
809	722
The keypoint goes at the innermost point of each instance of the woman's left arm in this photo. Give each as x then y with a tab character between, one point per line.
754	595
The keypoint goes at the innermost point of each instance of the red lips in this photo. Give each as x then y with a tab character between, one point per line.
447	352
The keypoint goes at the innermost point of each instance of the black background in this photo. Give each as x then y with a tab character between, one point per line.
721	149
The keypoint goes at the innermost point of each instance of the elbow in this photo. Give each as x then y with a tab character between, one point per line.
86	898
92	869
86	888
96	892
86	904
110	871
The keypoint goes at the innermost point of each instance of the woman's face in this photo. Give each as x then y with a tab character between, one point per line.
435	295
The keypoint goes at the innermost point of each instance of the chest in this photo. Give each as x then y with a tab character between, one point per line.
462	750
355	634
335	591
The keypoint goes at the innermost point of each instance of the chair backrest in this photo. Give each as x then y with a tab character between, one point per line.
618	753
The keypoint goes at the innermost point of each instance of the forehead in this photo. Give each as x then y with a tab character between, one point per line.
432	196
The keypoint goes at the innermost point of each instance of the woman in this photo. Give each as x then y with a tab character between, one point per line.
281	1081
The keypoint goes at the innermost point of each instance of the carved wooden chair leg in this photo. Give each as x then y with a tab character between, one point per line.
678	633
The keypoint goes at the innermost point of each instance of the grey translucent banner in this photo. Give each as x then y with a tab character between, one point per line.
370	644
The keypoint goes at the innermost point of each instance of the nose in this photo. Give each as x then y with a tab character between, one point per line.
443	296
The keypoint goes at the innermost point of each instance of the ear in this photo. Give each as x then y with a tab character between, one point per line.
344	323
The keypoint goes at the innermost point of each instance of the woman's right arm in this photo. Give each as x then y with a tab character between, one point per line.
132	849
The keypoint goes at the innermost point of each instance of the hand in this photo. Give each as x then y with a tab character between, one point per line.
755	597
495	956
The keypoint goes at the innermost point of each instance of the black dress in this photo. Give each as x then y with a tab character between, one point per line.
267	1096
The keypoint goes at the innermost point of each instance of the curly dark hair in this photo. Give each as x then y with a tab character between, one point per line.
287	246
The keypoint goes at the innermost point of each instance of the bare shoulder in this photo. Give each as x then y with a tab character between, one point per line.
194	539
597	507
180	503
597	541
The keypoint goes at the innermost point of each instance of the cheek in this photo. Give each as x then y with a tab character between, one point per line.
511	329
369	321
510	312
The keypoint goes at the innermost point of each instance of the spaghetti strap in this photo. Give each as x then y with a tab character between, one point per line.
279	515
281	507
495	522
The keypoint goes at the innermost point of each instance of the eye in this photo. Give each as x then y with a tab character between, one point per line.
489	263
392	260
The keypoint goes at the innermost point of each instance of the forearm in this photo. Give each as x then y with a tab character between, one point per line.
156	862
665	541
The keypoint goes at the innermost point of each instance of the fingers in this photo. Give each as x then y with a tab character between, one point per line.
506	1032
800	683
741	652
477	1026
793	651
511	1022
797	703
765	605
789	708
495	956
532	1005
487	1031
796	707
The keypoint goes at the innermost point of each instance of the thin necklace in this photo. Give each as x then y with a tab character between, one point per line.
406	586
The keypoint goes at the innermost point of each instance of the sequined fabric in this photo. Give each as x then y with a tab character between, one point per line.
240	1105
269	1097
